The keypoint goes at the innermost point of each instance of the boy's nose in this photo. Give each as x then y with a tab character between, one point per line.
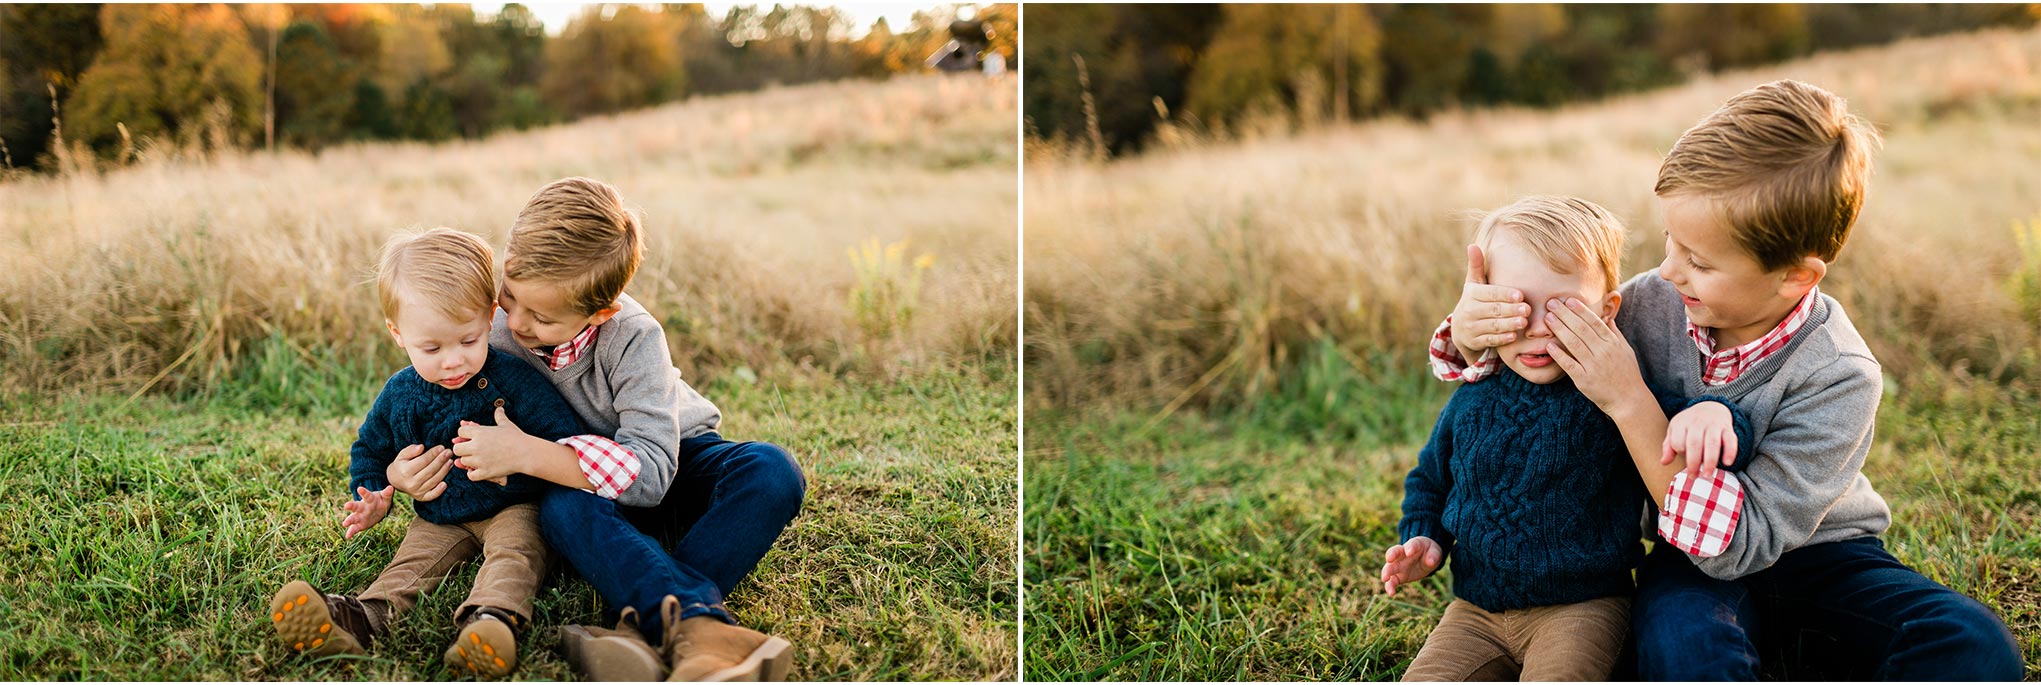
1665	269
1537	327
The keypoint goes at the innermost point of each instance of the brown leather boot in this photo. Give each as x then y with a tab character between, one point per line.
316	623
612	655
487	644
705	649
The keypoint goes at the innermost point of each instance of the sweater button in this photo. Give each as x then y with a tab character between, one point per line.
499	403
481	384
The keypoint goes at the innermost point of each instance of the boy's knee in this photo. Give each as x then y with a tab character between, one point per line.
1988	649
779	477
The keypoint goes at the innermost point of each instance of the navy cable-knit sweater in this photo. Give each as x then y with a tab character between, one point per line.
411	411
1530	491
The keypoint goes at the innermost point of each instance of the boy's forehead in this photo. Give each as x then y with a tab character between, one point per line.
1513	264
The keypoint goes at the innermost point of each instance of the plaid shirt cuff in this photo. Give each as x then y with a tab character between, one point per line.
608	466
1448	365
1699	516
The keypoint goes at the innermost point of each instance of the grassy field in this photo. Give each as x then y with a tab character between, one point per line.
188	343
143	541
1226	381
1247	546
758	211
1202	273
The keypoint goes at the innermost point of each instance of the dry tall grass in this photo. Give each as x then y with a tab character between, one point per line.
754	203
1203	270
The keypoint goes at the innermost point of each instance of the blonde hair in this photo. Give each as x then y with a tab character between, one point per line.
1568	234
453	271
1788	165
576	232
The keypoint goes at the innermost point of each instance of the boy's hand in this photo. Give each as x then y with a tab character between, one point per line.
1595	356
1410	562
1704	434
491	453
1487	316
419	472
365	513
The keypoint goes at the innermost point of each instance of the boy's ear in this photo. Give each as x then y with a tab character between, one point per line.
1610	304
603	315
394	335
1802	277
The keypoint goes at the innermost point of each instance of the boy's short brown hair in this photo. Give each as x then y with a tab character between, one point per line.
452	271
1568	234
576	232
1788	165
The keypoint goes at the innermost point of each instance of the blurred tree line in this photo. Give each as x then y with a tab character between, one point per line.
1222	66
108	77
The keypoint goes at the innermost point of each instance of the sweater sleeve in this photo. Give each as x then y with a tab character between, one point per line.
649	398
374	445
1810	456
1425	489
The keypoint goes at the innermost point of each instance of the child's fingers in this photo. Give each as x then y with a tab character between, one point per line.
1395	552
410	452
1565	359
1431	558
1729	446
1695	451
1712	443
436	491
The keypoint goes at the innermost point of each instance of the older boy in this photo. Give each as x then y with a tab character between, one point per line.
1784	556
437	291
654	467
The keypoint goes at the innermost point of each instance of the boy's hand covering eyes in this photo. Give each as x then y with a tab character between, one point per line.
1410	562
1487	316
1595	356
419	472
1705	434
365	513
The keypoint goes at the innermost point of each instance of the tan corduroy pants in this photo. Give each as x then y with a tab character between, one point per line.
1574	642
513	562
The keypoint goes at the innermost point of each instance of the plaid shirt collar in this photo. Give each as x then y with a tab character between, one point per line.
565	353
1719	367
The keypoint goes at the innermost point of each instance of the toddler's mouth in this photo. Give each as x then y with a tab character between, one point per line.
1535	359
454	382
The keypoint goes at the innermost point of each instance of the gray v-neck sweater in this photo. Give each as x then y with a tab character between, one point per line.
627	389
1812	405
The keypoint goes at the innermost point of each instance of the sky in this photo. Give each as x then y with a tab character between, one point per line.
862	14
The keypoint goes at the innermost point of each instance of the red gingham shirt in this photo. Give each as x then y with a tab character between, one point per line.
1719	367
608	466
1698	515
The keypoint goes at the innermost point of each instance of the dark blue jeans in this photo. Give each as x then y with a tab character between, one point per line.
1834	611
727	505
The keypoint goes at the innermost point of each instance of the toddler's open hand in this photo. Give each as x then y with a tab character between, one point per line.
365	513
1487	316
1411	562
1705	435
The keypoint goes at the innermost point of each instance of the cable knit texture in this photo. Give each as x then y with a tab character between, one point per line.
1531	492
411	411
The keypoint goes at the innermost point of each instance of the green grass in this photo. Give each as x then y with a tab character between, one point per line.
142	541
1244	544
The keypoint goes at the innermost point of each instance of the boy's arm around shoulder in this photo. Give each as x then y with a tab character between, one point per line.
655	409
1809	457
